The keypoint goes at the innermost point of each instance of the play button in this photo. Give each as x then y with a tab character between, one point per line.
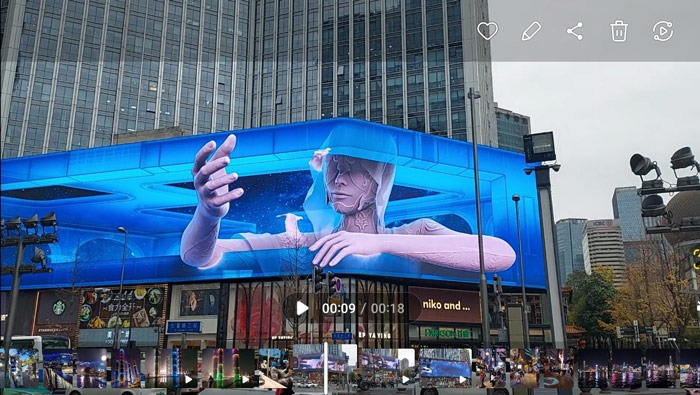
187	379
462	379
301	308
404	379
245	379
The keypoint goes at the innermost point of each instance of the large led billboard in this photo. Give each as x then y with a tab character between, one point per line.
361	197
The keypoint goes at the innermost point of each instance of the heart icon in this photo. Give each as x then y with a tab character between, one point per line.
484	30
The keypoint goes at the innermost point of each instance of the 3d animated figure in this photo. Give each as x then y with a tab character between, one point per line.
346	205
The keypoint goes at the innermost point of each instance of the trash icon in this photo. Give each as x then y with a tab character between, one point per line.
619	31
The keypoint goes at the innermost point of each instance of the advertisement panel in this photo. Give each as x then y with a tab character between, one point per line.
137	307
444	305
353	195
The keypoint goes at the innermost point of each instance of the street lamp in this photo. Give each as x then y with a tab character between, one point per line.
526	322
117	336
538	148
483	289
682	222
12	236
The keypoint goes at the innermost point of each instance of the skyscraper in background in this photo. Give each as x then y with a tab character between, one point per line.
602	247
76	72
511	128
627	210
569	246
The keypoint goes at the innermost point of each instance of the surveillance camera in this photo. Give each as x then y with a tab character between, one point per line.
556	167
528	170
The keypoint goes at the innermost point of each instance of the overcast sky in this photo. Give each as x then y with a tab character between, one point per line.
601	114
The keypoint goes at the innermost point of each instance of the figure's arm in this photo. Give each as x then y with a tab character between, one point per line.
200	245
423	240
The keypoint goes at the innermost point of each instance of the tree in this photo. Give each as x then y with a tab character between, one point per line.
657	290
295	266
591	300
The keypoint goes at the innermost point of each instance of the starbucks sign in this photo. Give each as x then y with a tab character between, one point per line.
59	307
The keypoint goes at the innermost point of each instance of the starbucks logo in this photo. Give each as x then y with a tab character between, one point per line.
59	307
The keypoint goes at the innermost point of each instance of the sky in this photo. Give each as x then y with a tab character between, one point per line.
351	351
602	114
408	353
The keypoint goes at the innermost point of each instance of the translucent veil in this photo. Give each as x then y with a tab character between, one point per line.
377	151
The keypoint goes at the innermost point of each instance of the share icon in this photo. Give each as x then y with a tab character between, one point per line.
571	31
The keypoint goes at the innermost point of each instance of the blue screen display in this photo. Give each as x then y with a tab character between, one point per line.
385	201
440	368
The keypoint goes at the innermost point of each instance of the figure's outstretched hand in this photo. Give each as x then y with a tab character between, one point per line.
211	180
336	246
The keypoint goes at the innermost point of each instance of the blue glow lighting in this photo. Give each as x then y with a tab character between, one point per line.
145	188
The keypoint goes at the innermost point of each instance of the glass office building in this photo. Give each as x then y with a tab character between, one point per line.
570	246
511	128
76	72
627	210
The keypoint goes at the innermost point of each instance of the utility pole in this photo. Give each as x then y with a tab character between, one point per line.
483	289
11	235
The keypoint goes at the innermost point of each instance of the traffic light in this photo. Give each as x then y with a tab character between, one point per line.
317	279
331	281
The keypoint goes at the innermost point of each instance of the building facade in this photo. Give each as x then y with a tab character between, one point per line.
243	301
603	247
511	128
76	73
569	246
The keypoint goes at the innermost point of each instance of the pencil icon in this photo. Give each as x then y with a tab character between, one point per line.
531	31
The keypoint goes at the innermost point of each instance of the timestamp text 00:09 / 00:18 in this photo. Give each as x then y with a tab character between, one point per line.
374	308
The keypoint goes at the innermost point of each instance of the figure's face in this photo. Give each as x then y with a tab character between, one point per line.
349	186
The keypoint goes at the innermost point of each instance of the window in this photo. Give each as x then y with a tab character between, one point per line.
414	41
50	25
375	108
436	79
437	100
435	37
457	75
42	91
393	24
416	123
393	64
436	57
359	90
438	124
434	16
394	85
358	70
414	82
64	94
415	103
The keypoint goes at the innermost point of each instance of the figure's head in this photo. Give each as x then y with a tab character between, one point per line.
350	186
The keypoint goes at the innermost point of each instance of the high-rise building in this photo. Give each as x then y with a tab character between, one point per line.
511	128
602	247
627	210
74	73
570	248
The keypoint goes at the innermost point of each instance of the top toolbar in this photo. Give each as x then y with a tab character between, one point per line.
593	30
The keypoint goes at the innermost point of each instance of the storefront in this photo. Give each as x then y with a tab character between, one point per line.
139	313
26	303
57	314
195	303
